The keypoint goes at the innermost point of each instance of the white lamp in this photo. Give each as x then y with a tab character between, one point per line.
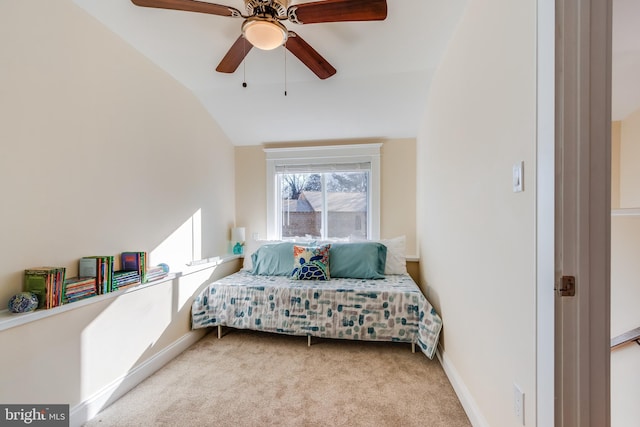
237	239
264	33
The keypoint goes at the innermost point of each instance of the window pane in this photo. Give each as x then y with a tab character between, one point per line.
324	205
301	204
347	204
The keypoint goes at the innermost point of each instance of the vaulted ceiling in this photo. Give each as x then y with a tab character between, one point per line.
384	68
379	91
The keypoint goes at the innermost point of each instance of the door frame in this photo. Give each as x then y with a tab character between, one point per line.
545	211
583	212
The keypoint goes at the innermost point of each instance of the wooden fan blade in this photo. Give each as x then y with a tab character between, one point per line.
234	56
309	57
190	6
338	11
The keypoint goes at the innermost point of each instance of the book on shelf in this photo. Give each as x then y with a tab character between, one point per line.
130	261
156	273
100	267
96	276
47	284
87	267
77	288
125	278
135	261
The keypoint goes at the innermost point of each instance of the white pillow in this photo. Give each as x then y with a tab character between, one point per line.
396	258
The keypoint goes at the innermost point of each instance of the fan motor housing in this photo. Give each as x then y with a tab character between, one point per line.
278	7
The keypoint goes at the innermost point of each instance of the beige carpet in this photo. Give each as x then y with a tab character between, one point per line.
259	379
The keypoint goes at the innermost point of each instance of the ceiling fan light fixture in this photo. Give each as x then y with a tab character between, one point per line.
264	33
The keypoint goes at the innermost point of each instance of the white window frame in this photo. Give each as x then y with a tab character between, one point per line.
326	155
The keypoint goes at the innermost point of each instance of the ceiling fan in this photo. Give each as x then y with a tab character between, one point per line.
262	26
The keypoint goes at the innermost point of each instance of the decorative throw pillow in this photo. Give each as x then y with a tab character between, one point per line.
311	263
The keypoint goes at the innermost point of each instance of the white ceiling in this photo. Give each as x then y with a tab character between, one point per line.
379	91
383	74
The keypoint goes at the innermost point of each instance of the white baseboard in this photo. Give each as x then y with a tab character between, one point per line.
90	407
466	399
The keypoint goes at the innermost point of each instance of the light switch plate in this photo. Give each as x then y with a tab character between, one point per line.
518	177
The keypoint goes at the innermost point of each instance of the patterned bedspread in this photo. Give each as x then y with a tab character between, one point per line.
390	309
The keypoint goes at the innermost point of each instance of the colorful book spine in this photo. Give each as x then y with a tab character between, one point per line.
96	276
101	269
78	288
125	278
47	283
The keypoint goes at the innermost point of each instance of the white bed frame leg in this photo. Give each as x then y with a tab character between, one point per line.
413	347
308	340
219	331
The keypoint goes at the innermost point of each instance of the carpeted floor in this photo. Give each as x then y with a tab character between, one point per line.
258	379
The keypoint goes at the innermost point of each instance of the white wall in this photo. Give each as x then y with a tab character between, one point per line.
476	237
100	152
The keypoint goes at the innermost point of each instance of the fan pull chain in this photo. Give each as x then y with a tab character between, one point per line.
285	69
244	64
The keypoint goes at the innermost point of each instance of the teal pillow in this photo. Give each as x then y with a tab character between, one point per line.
359	260
311	263
273	259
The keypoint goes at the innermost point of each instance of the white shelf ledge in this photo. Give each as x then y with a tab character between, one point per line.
10	320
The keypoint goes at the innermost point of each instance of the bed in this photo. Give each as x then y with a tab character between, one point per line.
389	307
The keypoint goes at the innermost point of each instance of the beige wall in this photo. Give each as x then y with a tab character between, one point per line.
73	356
398	189
251	198
629	161
477	237
101	152
397	209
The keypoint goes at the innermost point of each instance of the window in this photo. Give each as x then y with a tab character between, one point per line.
323	204
324	192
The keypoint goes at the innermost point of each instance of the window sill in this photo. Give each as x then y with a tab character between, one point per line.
10	320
